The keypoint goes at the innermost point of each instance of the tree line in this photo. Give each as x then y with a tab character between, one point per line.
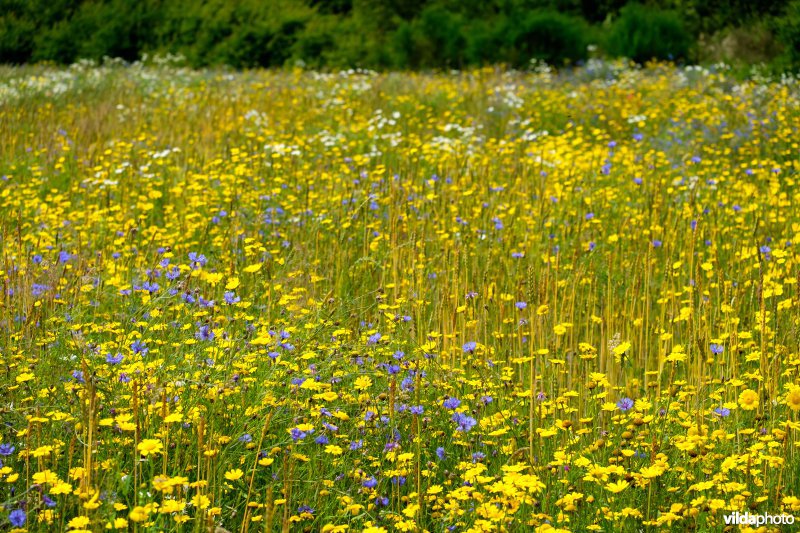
401	34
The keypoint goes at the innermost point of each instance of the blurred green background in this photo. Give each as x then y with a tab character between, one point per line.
402	34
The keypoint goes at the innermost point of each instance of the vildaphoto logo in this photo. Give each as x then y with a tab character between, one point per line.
747	519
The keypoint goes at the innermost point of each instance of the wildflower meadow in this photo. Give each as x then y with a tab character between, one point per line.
480	300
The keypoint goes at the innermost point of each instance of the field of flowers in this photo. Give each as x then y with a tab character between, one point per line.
478	301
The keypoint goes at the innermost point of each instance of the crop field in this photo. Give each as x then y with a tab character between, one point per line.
485	300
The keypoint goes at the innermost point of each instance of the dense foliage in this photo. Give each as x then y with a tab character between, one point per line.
385	34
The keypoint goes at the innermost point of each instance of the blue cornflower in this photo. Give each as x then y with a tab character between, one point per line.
464	422
297	434
139	347
197	260
451	403
625	404
231	298
17	517
205	333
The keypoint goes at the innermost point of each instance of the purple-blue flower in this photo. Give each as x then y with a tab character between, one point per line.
451	403
231	298
197	260
17	517
205	333
464	422
625	404
139	347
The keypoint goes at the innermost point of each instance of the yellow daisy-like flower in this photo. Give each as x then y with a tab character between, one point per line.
149	446
618	487
139	514
793	399
79	522
333	449
748	399
233	475
363	383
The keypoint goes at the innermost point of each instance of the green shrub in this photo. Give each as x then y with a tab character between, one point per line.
641	33
435	39
788	32
16	38
545	35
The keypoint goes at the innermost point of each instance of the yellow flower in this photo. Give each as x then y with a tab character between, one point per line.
363	383
255	267
327	396
27	376
233	475
333	449
331	528
793	399
149	446
47	476
434	489
174	417
171	506
79	522
620	350
618	487
201	501
139	514
748	399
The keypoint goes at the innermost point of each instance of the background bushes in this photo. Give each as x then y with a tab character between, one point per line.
642	33
381	34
